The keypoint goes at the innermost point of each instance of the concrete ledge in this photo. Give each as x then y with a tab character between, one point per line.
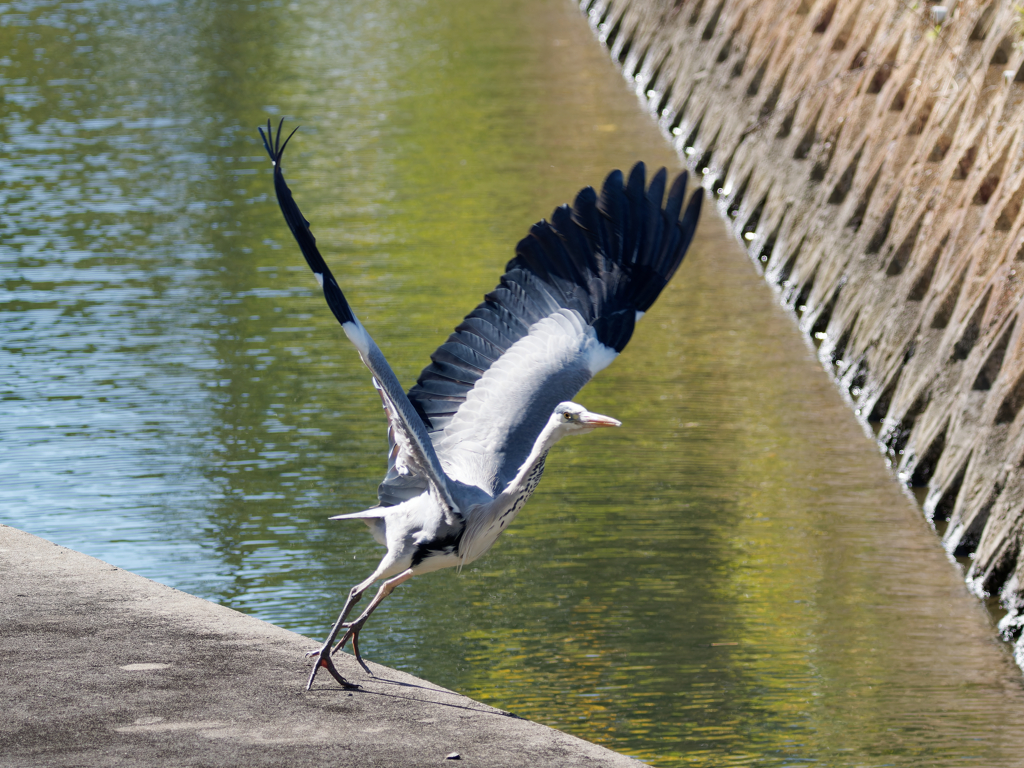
103	667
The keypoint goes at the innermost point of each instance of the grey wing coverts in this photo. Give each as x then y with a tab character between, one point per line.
580	282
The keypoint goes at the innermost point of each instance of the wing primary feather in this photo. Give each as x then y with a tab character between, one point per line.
688	225
612	206
676	195
402	413
654	229
687	229
566	278
588	218
633	229
555	249
656	191
300	227
530	253
578	249
541	295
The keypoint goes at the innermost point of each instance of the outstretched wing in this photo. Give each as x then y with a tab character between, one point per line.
563	310
413	460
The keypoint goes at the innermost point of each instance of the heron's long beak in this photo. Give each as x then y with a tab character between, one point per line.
589	419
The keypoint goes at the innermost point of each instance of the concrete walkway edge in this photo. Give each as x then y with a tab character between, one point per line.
102	667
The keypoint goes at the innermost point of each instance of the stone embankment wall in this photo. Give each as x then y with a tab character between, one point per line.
870	156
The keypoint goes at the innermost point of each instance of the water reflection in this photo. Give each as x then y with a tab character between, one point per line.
730	579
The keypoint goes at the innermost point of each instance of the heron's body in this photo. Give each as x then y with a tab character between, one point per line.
468	443
419	539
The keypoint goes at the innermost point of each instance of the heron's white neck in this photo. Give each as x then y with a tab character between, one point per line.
553	432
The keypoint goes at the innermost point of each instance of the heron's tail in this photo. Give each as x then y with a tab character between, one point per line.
372	512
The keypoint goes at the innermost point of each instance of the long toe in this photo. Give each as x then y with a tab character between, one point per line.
324	660
359	656
312	673
352	633
344	638
323	650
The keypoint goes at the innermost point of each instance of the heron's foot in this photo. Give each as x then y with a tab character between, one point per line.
352	633
323	659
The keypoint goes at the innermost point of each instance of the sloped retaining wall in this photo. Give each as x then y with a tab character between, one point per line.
870	154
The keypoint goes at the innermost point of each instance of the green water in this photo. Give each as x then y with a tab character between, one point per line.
732	578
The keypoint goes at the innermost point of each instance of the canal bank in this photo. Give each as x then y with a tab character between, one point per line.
868	155
104	667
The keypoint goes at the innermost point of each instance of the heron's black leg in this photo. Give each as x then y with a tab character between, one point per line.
324	654
353	628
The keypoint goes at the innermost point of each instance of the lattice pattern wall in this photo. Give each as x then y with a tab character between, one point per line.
870	154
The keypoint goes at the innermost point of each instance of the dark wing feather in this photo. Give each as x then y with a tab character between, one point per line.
579	282
605	259
413	464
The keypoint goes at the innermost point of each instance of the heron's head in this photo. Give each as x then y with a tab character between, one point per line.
573	419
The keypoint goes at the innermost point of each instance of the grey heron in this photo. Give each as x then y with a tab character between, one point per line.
467	443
